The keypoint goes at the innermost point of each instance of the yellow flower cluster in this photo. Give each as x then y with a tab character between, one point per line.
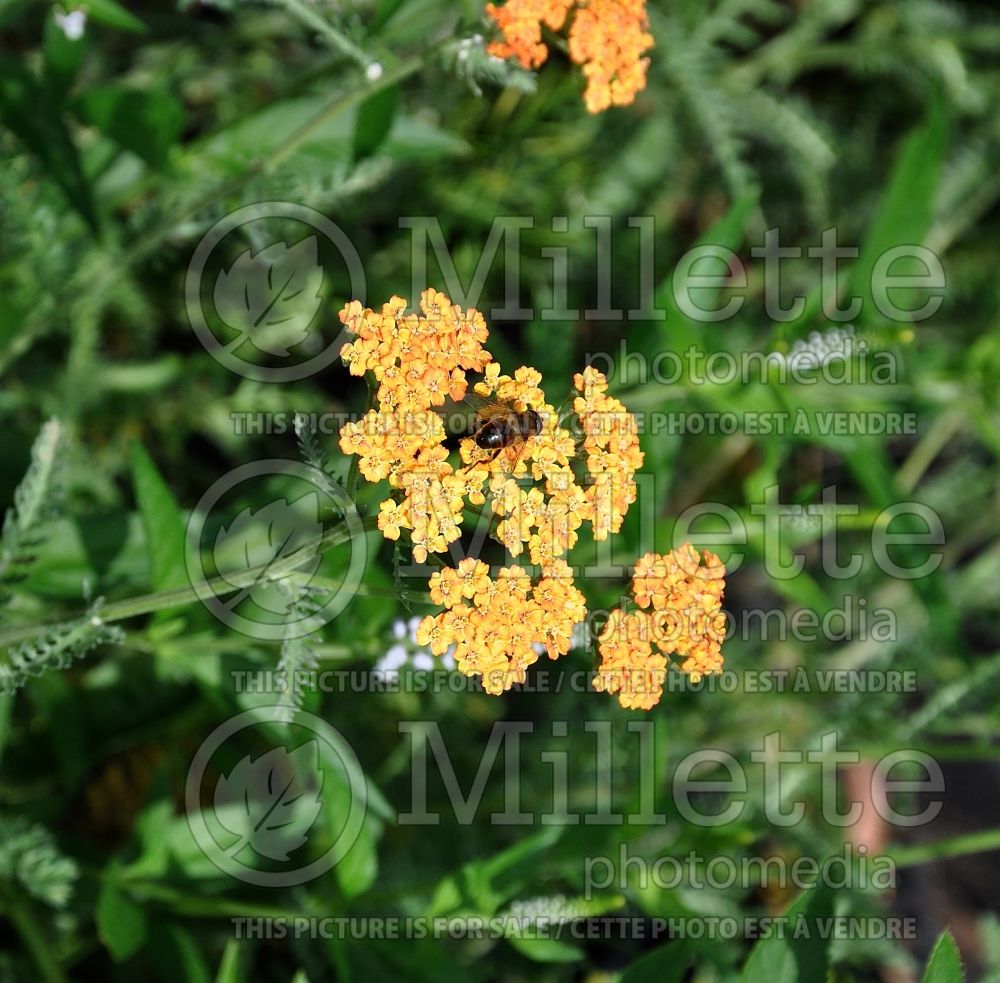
611	444
499	626
606	37
520	22
418	361
546	517
680	614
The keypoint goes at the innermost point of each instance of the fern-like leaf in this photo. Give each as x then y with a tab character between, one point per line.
297	655
30	857
35	502
56	649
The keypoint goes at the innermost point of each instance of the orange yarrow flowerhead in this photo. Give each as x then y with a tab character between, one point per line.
607	38
497	627
680	601
418	362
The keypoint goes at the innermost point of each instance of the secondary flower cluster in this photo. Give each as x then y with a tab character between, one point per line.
607	38
680	614
612	448
497	627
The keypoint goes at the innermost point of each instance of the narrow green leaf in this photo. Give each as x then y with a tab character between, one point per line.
374	121
176	954
799	952
235	962
945	964
678	332
114	15
667	964
27	110
161	520
62	57
904	216
384	11
547	950
146	122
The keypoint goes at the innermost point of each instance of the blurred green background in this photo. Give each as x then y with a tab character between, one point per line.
122	147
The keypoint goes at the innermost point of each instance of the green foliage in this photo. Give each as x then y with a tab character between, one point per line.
35	502
30	858
945	964
56	648
121	148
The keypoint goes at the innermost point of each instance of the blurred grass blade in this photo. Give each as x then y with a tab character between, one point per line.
161	520
28	112
374	121
542	950
904	217
235	962
114	15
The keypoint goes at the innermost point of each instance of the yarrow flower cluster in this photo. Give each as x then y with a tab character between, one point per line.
542	489
612	448
607	38
680	602
420	361
495	627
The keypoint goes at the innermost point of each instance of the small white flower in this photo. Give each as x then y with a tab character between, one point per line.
374	71
72	24
580	639
423	661
399	629
389	665
413	624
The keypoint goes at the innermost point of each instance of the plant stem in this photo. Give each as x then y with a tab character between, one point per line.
17	910
957	846
320	25
162	600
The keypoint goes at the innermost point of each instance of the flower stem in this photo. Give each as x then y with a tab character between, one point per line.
179	597
20	915
320	25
